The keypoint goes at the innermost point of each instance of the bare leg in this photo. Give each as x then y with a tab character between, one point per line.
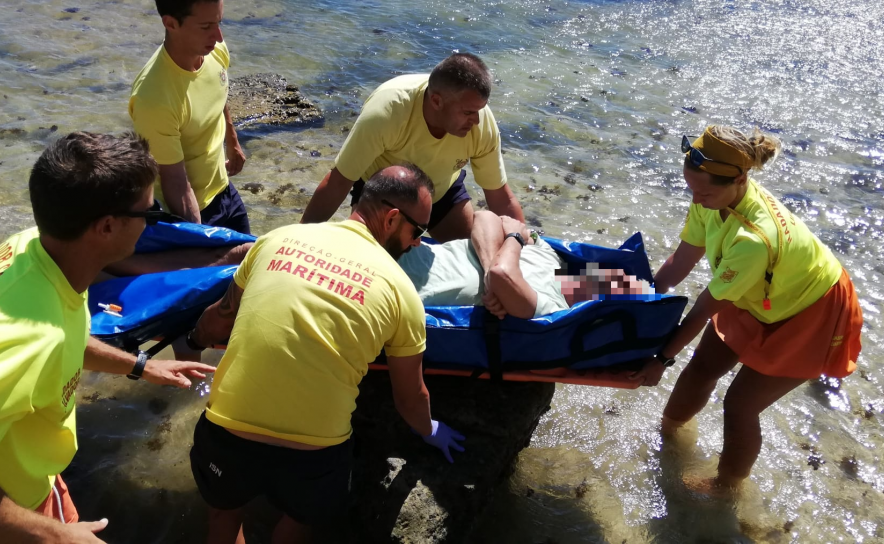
456	225
225	526
712	360
289	531
750	394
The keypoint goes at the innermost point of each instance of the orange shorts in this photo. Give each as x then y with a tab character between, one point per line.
824	338
58	505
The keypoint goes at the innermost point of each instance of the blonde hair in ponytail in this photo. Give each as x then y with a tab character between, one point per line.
760	147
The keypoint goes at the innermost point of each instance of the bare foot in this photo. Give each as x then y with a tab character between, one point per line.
710	487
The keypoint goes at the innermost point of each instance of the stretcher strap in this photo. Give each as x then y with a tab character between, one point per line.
492	346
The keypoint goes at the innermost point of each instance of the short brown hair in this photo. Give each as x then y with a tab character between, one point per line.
459	72
83	176
179	9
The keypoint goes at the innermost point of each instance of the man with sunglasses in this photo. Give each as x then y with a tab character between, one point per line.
440	122
313	305
90	194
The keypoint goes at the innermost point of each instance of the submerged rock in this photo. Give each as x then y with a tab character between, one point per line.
269	99
403	490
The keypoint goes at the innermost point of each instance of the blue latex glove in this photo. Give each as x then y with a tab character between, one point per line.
443	437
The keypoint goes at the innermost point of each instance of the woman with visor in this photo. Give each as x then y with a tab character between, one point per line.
779	300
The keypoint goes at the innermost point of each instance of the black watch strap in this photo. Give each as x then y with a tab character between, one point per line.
140	363
667	361
188	339
517	236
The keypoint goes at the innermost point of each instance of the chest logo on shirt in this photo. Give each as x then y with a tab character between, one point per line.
728	275
461	163
68	390
223	77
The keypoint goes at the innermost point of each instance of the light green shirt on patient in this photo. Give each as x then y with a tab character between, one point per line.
450	274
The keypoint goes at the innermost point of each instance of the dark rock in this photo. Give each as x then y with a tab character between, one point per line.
406	490
689	109
253	187
580	490
787	527
570	179
71	10
850	466
269	99
315	154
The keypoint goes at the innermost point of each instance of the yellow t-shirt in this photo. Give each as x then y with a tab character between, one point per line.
319	303
739	257
391	130
44	327
181	114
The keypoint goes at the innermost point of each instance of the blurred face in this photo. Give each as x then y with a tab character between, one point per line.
707	194
459	111
593	283
200	31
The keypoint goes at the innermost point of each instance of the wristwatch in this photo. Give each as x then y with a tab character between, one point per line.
667	361
140	362
191	343
517	236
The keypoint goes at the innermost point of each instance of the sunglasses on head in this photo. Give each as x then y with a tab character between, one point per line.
697	157
419	230
152	217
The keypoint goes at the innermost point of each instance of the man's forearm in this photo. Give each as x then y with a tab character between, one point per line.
327	198
416	411
182	202
23	526
487	237
505	204
100	357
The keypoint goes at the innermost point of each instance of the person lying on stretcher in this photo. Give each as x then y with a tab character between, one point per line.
503	268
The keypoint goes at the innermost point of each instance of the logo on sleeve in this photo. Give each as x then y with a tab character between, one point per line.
223	76
728	275
461	163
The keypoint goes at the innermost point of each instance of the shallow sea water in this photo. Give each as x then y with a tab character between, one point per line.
592	99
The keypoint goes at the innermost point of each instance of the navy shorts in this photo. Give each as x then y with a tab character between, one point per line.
309	486
225	210
457	193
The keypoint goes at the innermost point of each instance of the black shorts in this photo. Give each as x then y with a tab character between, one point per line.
311	487
225	210
457	193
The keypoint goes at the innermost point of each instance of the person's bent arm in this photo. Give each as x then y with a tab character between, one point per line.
24	526
410	395
178	193
700	314
503	202
236	158
216	323
100	357
327	198
504	279
677	266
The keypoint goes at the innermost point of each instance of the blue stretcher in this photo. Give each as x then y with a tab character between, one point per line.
591	335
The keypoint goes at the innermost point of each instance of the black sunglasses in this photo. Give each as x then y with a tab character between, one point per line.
697	157
152	217
419	230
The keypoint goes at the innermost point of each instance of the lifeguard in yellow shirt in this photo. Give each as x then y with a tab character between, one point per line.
179	104
90	195
779	300
439	122
313	305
